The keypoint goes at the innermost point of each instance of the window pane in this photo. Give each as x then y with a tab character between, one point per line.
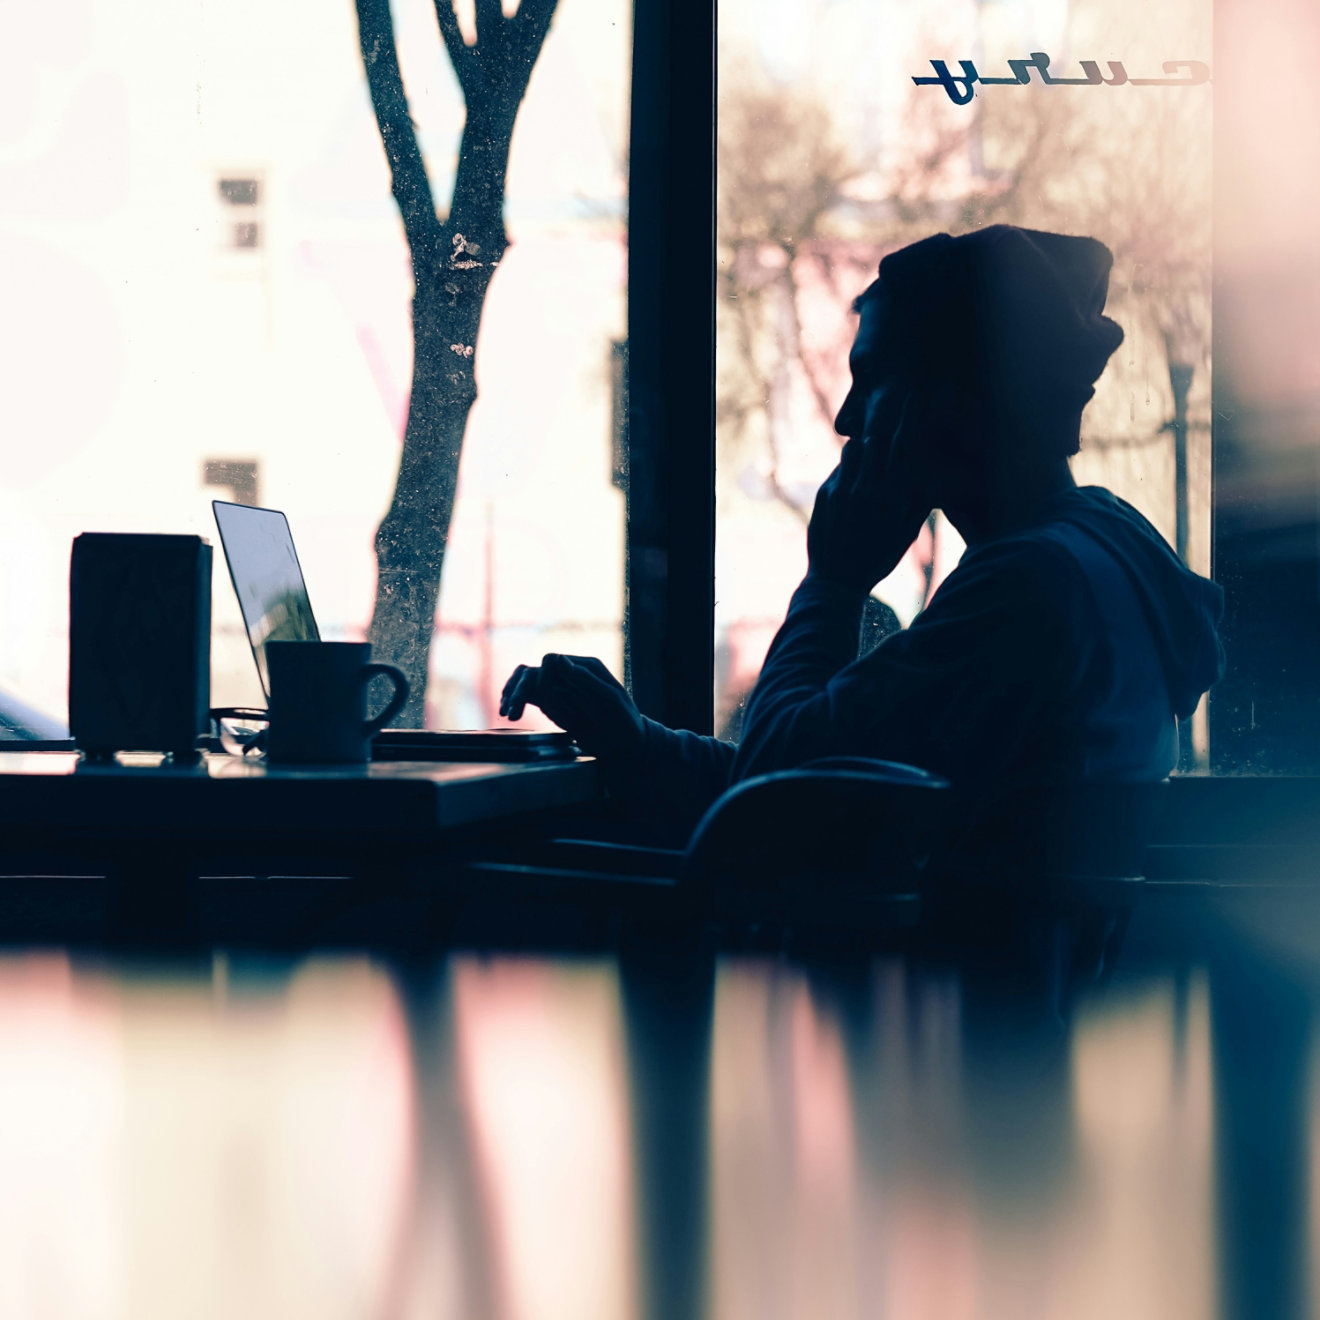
206	295
830	156
1266	711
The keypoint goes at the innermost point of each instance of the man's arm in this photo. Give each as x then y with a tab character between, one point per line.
789	718
665	777
675	776
956	692
867	512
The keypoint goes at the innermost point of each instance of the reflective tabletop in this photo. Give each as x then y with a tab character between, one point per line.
670	1131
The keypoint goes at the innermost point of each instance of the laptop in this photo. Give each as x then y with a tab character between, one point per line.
273	600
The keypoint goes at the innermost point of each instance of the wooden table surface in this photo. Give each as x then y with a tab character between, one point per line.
143	852
143	795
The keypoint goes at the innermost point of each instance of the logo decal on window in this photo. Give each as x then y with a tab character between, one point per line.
959	86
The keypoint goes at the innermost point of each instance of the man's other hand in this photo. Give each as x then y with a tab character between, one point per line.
582	697
870	508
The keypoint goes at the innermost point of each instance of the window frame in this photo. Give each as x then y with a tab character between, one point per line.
669	609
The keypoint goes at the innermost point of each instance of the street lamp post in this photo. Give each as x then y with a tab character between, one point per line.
1182	366
1181	357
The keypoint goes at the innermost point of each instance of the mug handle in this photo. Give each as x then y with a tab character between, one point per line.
395	705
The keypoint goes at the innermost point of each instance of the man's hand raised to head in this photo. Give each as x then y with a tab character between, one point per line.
582	697
871	507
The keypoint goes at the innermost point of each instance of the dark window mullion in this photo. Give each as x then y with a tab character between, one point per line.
671	363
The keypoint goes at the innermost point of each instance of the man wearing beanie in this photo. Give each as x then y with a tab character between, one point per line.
1069	639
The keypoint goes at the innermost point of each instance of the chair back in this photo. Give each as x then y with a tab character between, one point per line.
836	821
850	839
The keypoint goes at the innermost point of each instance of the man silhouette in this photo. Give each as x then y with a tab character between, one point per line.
1069	639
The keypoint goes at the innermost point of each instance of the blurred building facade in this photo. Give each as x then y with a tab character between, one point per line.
206	295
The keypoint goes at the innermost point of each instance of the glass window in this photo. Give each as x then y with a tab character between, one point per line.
830	156
206	293
1266	712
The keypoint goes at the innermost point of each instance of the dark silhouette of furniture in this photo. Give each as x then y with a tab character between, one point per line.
842	844
229	848
847	850
864	850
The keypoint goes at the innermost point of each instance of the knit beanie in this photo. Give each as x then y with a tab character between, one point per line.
1012	318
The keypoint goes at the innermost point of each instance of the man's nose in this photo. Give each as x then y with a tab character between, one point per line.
846	416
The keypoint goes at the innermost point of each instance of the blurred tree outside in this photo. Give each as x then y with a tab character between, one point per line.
803	222
453	258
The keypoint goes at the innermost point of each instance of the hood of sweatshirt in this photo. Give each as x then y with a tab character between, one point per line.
1182	608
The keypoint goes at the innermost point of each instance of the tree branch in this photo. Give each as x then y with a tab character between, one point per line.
530	25
483	157
739	308
461	55
408	180
798	341
490	24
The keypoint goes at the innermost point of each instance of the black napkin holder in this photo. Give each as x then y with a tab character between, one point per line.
139	643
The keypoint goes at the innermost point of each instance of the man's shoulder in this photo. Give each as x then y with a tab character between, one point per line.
1026	589
1026	565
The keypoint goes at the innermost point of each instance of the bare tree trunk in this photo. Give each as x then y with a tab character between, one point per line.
411	540
453	262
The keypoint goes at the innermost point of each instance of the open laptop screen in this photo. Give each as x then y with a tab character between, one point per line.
267	577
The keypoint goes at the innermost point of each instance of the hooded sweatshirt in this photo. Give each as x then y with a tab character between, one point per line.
1069	648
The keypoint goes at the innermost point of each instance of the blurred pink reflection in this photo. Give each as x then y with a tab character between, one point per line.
63	1236
936	1167
200	1146
540	1052
783	1176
